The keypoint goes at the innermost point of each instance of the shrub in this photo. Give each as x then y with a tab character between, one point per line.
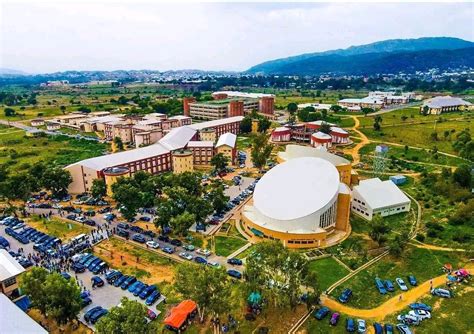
427	205
432	234
420	237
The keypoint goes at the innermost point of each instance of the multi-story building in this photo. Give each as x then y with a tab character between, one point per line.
10	269
155	158
227	145
310	132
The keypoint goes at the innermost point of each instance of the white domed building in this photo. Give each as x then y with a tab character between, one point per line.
301	202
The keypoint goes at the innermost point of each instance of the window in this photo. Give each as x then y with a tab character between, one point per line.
9	282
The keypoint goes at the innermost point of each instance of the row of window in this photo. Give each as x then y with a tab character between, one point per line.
359	201
328	218
361	211
302	242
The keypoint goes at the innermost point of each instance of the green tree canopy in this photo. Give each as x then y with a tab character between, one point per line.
99	188
220	162
261	150
56	180
128	317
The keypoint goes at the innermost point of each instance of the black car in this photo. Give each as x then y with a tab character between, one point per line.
123	226
176	242
89	222
139	238
123	233
164	238
149	233
235	261
136	229
78	267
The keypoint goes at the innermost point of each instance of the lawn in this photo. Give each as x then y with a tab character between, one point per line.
224	246
58	228
243	142
413	154
328	271
422	263
420	134
19	152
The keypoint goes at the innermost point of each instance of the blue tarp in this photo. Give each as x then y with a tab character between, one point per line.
23	303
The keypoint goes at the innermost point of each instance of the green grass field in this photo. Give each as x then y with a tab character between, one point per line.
414	155
328	271
420	134
422	263
225	246
58	228
19	152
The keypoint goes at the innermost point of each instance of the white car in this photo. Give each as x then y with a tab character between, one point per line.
361	327
152	244
186	256
80	219
213	264
204	252
401	284
421	314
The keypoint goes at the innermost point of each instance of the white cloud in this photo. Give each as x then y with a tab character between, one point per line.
46	37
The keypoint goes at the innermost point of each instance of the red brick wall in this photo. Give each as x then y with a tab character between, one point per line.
186	102
236	108
267	105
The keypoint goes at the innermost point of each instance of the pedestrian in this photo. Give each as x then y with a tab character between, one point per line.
400	298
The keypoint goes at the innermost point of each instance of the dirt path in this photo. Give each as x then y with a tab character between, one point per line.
419	244
390	306
354	151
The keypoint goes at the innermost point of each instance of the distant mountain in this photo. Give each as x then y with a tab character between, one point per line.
9	71
370	58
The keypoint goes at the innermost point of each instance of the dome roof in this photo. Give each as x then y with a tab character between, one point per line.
296	188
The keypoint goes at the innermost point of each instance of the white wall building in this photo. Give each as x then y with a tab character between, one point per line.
375	197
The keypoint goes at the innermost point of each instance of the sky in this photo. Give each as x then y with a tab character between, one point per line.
46	37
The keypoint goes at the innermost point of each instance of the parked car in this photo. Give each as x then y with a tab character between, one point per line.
213	264
380	286
129	281
123	233
152	244
119	281
132	287
404	329
150	314
234	261
388	328
408	319
176	242
97	281
155	295
145	218
420	314
234	273
148	291
321	313
401	284
204	252
164	238
350	325
86	301
189	248
345	295
378	329
97	315
168	250
89	313
420	306
441	293
186	256
334	319
412	280
200	260
389	285
361	326
139	238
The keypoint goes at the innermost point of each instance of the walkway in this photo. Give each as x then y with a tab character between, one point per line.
240	250
354	152
390	306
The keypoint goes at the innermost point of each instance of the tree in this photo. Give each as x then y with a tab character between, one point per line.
434	136
261	150
118	143
246	124
263	124
446	134
17	187
335	108
425	110
63	109
33	284
56	180
127	196
52	294
366	111
182	222
99	188
277	273
218	198
378	230
398	244
9	112
220	162
404	118
325	128
377	121
462	176
209	287
292	107
64	298
128	317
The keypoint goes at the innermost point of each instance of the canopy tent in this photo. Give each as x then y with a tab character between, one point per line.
254	298
180	313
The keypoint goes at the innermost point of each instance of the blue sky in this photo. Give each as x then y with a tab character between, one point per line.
58	36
